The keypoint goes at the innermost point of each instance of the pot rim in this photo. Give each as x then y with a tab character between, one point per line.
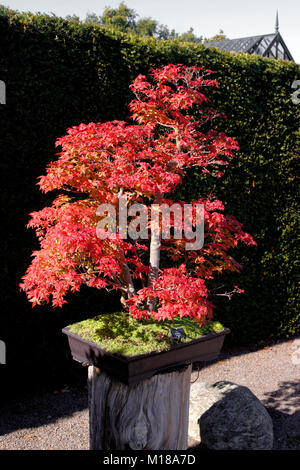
127	359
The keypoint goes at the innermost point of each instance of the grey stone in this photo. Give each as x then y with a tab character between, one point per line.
230	417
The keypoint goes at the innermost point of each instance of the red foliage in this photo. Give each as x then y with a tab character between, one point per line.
145	161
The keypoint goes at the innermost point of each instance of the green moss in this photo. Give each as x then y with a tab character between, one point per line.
120	333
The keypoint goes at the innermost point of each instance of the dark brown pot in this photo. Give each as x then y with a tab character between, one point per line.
131	370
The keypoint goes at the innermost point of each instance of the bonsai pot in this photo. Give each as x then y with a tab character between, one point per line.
133	369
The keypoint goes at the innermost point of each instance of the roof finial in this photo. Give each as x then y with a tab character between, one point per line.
277	23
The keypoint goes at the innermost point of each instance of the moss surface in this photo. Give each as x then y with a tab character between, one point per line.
119	333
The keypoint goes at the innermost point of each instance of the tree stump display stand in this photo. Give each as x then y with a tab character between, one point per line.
150	415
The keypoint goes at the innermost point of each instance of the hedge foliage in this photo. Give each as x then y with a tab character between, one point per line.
60	73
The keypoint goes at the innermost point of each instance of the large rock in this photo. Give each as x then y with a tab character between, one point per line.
230	416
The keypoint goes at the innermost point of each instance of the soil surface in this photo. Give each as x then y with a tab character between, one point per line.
58	420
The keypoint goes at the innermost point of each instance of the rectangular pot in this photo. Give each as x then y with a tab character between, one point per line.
131	370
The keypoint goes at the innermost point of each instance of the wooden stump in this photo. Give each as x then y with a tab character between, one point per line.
151	415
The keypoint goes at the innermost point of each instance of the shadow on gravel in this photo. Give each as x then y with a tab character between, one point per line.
42	409
283	405
286	398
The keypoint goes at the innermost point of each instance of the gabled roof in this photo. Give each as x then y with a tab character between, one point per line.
266	45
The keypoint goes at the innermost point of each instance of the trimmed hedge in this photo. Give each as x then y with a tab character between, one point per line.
60	73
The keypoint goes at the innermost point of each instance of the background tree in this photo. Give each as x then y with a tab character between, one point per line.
73	18
189	36
122	18
217	37
4	10
164	33
147	27
91	17
125	19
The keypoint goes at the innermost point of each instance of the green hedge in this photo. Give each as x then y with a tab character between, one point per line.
60	73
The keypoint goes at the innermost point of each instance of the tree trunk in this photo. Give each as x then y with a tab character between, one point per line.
155	243
151	415
154	251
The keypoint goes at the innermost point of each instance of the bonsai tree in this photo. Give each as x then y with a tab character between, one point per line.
104	230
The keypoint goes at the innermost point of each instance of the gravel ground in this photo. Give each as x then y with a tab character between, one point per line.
59	420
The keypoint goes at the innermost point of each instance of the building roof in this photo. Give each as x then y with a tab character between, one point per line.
267	45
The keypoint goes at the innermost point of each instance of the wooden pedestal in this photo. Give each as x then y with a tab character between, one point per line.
150	415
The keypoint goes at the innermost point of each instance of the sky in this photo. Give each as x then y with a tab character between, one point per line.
235	17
